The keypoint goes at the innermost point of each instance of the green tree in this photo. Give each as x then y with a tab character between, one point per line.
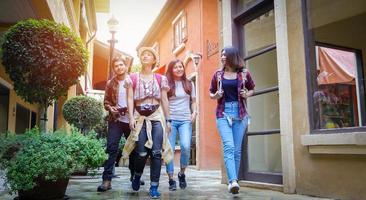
83	112
43	59
135	68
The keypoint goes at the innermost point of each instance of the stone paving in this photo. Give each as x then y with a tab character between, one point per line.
201	185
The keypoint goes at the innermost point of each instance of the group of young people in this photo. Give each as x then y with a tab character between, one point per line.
150	109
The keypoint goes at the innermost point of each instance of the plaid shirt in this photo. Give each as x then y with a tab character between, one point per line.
111	95
249	84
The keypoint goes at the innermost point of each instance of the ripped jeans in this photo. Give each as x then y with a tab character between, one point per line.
143	152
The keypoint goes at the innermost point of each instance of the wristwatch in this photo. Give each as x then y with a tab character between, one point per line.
168	120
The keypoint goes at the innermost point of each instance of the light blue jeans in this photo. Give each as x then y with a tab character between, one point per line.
184	128
232	137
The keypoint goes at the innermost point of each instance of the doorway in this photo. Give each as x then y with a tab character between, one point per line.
261	152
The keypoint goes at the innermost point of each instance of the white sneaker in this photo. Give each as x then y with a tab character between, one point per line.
233	187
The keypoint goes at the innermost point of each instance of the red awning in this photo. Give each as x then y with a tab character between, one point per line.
336	66
159	70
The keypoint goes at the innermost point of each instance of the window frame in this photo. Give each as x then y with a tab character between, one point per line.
180	24
240	18
309	45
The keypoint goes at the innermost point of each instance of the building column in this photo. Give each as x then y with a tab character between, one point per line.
285	97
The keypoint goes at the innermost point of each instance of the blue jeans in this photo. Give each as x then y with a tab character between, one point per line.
115	131
232	138
184	128
155	153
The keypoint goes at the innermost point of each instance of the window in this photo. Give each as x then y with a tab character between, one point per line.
4	108
180	30
336	47
25	119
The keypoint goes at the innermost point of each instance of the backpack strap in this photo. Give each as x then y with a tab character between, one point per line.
244	76
134	77
158	78
219	75
134	80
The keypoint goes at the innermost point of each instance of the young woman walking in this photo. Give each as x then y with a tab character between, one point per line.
146	93
182	106
231	86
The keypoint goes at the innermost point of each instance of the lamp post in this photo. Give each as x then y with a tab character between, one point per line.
196	58
112	26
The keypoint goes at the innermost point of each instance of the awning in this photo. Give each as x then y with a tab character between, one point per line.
336	66
160	70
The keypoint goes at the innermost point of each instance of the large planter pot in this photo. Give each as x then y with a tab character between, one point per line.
45	190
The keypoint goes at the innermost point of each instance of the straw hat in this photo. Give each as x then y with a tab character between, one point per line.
142	49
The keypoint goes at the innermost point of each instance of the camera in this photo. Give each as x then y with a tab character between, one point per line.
122	110
147	108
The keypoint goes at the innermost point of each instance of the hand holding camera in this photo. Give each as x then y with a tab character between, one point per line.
113	110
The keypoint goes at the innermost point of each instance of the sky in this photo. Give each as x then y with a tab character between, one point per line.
135	18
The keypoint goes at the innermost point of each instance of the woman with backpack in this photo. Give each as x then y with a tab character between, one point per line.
231	86
146	94
182	98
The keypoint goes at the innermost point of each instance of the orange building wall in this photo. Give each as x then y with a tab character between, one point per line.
99	69
202	25
210	143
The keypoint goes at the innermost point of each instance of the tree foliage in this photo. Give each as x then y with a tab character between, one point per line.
83	112
136	68
43	59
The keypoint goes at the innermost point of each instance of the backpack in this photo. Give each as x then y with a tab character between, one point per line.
134	78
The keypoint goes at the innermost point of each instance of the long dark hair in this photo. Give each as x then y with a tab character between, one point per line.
233	58
187	85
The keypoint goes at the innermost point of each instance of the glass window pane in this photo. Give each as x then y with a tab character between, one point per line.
338	76
259	33
22	119
244	4
263	69
264	153
336	96
264	112
4	108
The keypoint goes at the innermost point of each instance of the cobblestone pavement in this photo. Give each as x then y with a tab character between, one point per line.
201	185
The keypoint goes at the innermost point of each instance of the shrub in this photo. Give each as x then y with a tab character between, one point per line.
83	112
28	157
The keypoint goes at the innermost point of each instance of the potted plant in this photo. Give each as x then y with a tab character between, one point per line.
40	164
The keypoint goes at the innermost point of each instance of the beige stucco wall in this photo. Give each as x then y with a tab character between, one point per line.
336	176
14	99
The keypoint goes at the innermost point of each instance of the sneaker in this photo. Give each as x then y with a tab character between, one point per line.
106	185
142	182
136	182
233	187
154	193
172	185
182	181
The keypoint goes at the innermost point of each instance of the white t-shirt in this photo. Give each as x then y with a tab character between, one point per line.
122	100
180	104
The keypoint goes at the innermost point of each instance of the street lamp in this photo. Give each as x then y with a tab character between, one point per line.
112	26
196	57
